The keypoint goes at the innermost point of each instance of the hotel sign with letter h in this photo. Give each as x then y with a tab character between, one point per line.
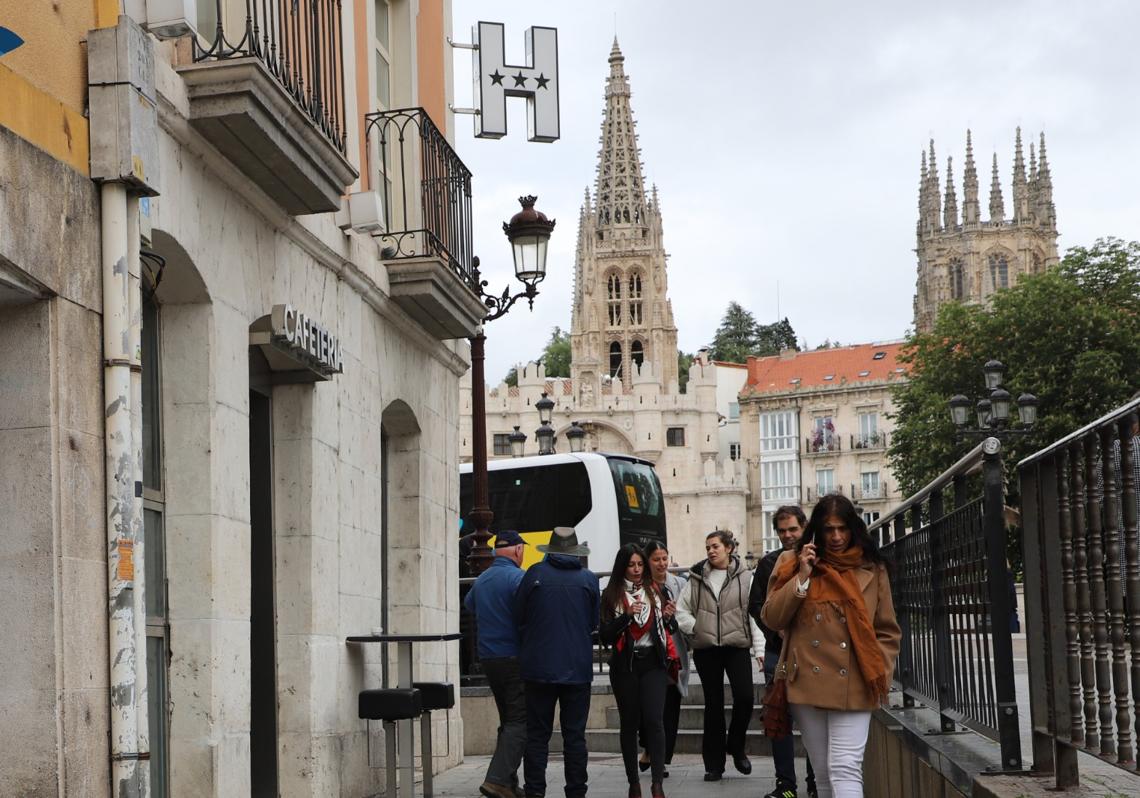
496	80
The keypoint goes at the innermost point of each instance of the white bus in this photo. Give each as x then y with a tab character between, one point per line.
610	499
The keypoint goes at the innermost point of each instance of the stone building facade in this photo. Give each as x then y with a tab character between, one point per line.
817	422
623	387
277	469
963	258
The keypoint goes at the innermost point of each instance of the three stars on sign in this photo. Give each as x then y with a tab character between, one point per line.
519	78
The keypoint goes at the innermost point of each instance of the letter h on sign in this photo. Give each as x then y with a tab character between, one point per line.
495	81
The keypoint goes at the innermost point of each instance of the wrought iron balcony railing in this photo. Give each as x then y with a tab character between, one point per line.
869	440
299	41
426	190
822	444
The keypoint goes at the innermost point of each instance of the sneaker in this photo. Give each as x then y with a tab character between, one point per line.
782	790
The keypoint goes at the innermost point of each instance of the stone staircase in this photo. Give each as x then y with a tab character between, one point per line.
605	738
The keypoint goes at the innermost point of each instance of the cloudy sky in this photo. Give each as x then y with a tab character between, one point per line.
785	141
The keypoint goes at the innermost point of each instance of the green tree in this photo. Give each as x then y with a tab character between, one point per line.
555	357
740	335
1071	336
684	362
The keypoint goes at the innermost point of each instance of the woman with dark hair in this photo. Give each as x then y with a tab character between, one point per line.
669	587
713	613
633	622
831	597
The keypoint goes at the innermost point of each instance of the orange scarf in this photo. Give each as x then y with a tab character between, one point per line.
834	583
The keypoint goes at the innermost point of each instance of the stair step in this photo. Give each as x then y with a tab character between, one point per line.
692	717
688	742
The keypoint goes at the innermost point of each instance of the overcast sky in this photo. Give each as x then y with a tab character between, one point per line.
785	141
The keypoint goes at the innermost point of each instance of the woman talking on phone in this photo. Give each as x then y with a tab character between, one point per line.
633	622
831	597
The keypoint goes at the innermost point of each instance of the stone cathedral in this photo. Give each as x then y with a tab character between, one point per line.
962	258
623	388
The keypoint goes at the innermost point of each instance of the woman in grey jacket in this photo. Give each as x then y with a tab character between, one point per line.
713	613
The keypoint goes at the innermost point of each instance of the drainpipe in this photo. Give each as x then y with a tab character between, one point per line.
125	162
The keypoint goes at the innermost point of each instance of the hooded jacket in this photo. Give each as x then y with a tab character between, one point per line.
556	610
491	600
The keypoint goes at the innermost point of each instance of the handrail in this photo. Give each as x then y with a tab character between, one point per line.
1112	415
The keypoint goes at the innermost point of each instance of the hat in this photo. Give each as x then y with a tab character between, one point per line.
564	540
507	538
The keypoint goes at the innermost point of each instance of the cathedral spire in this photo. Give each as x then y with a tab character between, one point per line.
971	214
934	191
922	191
1020	188
950	207
1046	213
997	204
620	193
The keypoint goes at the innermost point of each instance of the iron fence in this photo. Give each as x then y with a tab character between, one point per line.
300	42
426	190
1082	594
951	588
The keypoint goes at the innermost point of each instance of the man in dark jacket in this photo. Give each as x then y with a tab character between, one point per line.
556	610
789	522
491	601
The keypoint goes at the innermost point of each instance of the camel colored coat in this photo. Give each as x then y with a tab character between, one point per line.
820	665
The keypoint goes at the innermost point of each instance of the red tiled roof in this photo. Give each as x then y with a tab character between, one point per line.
823	368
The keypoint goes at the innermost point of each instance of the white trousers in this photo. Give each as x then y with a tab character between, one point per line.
834	740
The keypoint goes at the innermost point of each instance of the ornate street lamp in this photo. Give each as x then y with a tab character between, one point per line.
545	432
518	442
576	437
529	233
993	412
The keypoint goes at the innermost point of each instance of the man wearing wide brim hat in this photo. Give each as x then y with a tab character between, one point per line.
556	609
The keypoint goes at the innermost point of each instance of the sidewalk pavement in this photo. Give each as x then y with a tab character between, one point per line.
607	778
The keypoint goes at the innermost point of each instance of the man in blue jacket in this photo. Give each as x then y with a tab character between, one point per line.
556	609
491	601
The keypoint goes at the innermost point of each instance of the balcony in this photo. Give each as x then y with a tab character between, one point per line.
268	93
870	493
812	495
426	236
822	444
869	440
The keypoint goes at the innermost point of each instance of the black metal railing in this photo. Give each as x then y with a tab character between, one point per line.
869	440
822	444
300	42
426	190
951	589
1080	500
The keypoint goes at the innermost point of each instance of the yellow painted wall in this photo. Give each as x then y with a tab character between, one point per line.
43	83
430	42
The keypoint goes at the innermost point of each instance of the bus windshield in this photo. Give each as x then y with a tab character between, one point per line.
641	509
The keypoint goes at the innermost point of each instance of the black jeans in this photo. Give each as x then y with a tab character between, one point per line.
573	701
784	748
672	718
507	687
712	665
640	695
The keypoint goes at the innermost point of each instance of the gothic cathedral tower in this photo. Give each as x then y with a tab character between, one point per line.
966	259
621	323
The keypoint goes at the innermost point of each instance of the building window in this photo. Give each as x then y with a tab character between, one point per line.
637	354
615	360
957	279
675	436
869	437
870	518
613	296
780	481
999	271
734	451
824	481
778	431
734	410
381	45
635	316
154	552
502	443
823	437
871	486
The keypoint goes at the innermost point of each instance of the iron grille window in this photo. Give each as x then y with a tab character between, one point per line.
675	436
502	443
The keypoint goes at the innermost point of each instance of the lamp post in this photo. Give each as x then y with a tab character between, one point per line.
529	232
992	412
545	432
576	436
518	442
